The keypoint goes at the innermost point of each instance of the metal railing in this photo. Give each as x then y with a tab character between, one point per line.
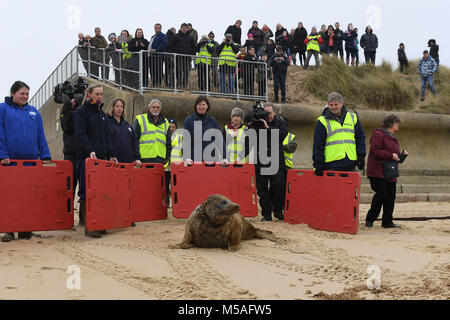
146	71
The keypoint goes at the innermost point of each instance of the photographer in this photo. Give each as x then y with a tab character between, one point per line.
71	101
139	43
270	198
205	51
227	52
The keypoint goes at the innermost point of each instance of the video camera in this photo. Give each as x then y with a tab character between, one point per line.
258	113
66	91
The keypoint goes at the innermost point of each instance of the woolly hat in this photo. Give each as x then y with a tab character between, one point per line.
250	35
228	35
112	35
173	121
237	112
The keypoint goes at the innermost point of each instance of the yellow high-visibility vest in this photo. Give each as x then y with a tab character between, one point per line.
177	151
125	49
341	140
152	143
313	43
227	56
289	156
204	53
236	147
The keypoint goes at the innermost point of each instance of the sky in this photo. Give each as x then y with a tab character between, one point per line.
43	32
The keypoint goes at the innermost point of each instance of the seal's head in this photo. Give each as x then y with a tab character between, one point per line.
219	209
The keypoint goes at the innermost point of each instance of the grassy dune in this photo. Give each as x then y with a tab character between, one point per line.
369	87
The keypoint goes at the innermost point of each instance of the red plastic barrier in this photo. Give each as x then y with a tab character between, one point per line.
191	185
148	193
36	197
117	195
329	203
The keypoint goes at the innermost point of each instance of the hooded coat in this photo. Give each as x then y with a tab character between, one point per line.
369	41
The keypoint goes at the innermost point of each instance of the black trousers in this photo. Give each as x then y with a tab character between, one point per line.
370	56
270	192
385	193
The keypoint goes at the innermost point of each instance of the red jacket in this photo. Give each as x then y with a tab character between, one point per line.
382	148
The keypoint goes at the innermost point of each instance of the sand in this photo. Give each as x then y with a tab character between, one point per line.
305	264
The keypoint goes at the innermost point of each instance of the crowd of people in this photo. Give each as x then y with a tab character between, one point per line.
219	64
91	133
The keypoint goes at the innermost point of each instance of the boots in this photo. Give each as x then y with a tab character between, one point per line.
81	213
87	233
8	237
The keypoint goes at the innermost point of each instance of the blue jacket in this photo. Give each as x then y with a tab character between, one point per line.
92	132
208	122
320	138
22	133
123	141
427	67
159	43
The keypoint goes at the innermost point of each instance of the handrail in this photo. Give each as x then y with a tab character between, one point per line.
160	71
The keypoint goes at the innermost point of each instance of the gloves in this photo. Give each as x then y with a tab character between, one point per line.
361	162
319	169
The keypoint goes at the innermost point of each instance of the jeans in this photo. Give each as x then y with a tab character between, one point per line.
227	72
385	194
428	79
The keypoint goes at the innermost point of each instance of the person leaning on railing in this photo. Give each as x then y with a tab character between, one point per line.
22	135
136	45
113	51
125	55
101	57
203	61
157	46
227	64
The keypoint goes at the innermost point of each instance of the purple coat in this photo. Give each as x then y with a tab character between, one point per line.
382	148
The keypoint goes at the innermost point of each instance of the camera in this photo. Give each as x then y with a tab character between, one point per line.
66	91
258	113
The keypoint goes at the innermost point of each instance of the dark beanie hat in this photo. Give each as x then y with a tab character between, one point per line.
173	121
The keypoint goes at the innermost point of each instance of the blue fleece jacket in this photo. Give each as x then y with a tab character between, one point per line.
22	133
320	138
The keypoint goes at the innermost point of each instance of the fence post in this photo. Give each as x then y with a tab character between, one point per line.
104	66
175	72
207	75
267	81
141	73
120	70
89	61
237	79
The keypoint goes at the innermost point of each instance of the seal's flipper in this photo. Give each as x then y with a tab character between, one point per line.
264	234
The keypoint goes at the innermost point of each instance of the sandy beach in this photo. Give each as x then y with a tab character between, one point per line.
305	264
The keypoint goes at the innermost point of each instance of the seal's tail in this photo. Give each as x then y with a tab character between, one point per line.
264	234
